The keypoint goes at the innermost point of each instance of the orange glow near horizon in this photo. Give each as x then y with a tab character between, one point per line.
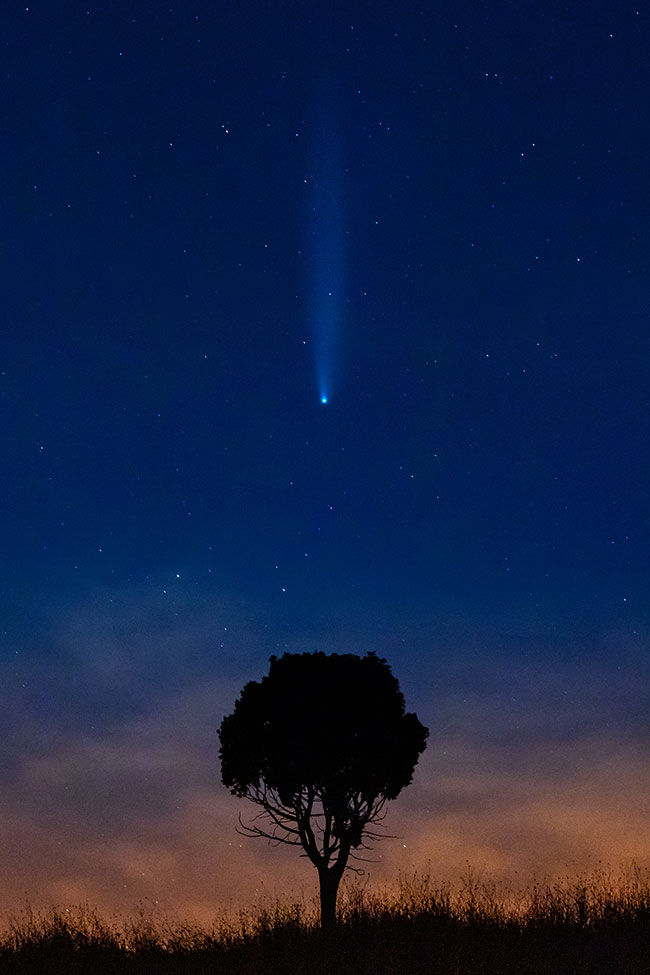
188	861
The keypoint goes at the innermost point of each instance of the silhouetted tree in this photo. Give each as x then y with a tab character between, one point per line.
321	743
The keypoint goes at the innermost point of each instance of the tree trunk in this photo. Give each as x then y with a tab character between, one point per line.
329	886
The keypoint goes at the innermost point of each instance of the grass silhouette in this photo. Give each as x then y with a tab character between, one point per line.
592	925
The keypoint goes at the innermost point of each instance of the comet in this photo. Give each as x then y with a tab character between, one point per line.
326	248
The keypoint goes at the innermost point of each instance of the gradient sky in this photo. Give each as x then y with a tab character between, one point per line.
213	214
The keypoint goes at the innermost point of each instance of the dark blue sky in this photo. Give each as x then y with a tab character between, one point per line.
182	187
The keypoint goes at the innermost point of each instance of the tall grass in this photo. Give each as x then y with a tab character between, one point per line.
591	925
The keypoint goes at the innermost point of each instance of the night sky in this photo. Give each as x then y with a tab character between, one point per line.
214	216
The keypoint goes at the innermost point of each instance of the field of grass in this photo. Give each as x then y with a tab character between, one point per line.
589	926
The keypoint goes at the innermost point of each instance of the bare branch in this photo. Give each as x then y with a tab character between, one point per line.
273	837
